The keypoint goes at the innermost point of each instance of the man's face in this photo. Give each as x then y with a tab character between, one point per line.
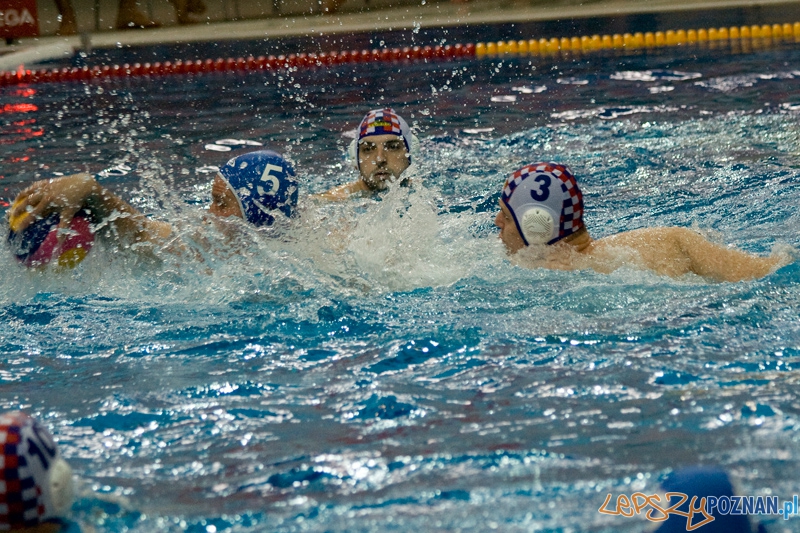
509	233
381	158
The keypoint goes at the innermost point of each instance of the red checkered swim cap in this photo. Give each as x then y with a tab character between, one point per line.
385	122
35	482
545	202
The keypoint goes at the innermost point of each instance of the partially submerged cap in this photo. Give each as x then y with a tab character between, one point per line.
702	482
385	122
35	482
545	202
263	182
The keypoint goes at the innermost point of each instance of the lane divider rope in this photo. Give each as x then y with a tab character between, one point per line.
745	37
241	64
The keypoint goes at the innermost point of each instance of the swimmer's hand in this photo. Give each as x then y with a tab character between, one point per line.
65	196
68	195
783	254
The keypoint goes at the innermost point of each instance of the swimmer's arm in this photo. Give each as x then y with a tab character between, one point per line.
342	192
68	195
129	225
724	264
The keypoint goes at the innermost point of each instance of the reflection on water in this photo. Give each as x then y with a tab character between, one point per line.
380	364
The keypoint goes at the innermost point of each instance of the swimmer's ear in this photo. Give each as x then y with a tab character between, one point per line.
352	153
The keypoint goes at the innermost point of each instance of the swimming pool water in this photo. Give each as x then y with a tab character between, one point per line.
381	365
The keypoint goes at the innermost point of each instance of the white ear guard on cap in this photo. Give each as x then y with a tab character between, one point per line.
538	225
352	150
61	487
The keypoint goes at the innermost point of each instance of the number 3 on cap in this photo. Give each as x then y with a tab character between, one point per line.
543	192
274	181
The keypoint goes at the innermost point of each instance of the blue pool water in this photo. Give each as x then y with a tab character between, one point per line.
381	365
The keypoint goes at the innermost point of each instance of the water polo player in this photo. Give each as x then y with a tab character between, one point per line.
541	204
704	482
256	186
382	151
37	489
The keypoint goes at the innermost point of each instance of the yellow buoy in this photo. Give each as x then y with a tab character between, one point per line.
702	35
627	40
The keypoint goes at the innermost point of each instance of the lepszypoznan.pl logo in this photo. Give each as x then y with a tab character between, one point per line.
656	508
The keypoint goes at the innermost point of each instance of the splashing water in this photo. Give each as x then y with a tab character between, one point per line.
380	364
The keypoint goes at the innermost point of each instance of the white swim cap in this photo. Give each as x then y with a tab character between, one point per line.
545	201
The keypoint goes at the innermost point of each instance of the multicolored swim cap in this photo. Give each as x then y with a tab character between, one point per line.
384	122
34	485
545	201
263	182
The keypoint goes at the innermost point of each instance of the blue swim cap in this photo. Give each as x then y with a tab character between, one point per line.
703	482
263	182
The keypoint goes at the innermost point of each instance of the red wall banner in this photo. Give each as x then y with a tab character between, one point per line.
18	18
